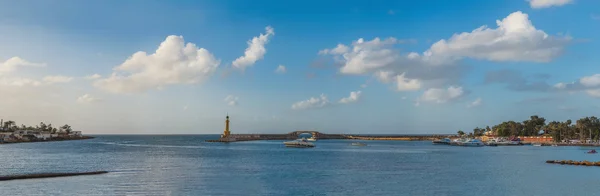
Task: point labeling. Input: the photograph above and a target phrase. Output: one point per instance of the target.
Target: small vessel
(554, 145)
(472, 142)
(537, 144)
(311, 139)
(358, 144)
(300, 143)
(445, 141)
(492, 144)
(592, 151)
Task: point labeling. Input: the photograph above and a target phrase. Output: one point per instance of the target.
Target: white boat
(554, 145)
(311, 139)
(358, 144)
(300, 143)
(472, 142)
(537, 144)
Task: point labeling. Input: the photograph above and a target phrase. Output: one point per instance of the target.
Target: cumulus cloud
(595, 16)
(174, 62)
(93, 77)
(231, 100)
(9, 74)
(280, 69)
(57, 79)
(13, 63)
(588, 84)
(87, 98)
(384, 76)
(514, 39)
(539, 4)
(354, 97)
(475, 103)
(405, 84)
(312, 103)
(439, 95)
(256, 50)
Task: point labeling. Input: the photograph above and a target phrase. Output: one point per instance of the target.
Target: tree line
(584, 128)
(11, 126)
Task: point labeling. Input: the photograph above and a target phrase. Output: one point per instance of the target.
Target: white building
(43, 135)
(75, 133)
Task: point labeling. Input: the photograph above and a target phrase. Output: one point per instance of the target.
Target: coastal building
(75, 133)
(42, 135)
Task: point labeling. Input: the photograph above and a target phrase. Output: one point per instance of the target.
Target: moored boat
(537, 144)
(445, 141)
(300, 143)
(472, 142)
(592, 151)
(358, 144)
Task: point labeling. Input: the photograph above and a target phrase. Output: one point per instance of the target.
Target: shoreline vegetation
(584, 132)
(10, 133)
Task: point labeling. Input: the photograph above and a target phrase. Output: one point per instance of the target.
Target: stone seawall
(321, 136)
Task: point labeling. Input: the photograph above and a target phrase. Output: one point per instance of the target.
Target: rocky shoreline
(56, 139)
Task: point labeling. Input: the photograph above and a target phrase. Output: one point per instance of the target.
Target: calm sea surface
(185, 165)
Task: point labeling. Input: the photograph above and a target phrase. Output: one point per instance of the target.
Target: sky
(389, 67)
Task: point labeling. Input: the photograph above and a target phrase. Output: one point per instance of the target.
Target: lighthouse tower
(226, 133)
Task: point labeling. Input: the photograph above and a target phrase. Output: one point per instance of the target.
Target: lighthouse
(226, 133)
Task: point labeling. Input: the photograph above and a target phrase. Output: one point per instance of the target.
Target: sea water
(186, 165)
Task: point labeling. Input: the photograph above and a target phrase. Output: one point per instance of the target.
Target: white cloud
(588, 84)
(231, 100)
(87, 98)
(174, 62)
(57, 79)
(256, 50)
(19, 82)
(593, 93)
(515, 39)
(405, 84)
(354, 97)
(185, 108)
(475, 103)
(560, 85)
(280, 69)
(93, 77)
(13, 63)
(339, 49)
(311, 103)
(384, 76)
(364, 55)
(590, 81)
(595, 17)
(363, 86)
(439, 95)
(539, 4)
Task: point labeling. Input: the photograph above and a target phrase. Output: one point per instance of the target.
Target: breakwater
(571, 162)
(48, 175)
(321, 136)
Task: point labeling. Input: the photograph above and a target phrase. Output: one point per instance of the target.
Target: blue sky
(422, 67)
